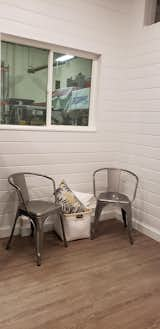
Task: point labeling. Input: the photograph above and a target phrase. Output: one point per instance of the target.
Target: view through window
(71, 90)
(23, 90)
(24, 79)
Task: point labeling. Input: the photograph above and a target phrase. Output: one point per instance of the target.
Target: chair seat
(40, 208)
(113, 197)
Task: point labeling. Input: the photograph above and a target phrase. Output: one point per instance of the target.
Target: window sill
(49, 128)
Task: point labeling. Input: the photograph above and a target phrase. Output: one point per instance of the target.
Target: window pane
(157, 16)
(24, 74)
(71, 90)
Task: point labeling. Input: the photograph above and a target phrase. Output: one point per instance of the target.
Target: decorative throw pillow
(68, 200)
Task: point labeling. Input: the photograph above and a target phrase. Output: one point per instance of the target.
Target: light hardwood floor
(101, 284)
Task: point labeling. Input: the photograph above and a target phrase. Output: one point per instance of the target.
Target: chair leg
(63, 230)
(12, 232)
(98, 211)
(32, 229)
(124, 217)
(129, 224)
(39, 241)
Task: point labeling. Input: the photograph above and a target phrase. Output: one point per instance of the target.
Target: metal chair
(36, 210)
(120, 190)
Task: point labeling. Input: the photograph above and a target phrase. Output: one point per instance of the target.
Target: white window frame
(93, 94)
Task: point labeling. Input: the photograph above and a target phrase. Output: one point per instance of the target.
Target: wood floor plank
(101, 284)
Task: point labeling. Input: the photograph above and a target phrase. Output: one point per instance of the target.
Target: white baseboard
(23, 228)
(146, 230)
(142, 227)
(6, 230)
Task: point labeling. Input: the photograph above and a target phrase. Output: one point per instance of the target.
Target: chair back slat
(19, 180)
(113, 180)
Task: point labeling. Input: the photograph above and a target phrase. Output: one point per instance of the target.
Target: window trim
(45, 45)
(49, 128)
(49, 89)
(93, 93)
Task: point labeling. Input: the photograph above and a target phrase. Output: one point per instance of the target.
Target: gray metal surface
(37, 211)
(116, 180)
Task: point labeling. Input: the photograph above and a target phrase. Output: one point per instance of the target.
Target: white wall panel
(127, 110)
(94, 26)
(138, 123)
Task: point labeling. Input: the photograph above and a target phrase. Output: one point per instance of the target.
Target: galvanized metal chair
(117, 187)
(37, 211)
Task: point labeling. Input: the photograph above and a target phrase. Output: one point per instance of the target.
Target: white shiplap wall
(127, 110)
(99, 26)
(137, 118)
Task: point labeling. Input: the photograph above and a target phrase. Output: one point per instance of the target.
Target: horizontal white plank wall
(137, 119)
(127, 110)
(94, 26)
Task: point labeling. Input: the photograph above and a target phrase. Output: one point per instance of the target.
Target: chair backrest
(19, 182)
(115, 180)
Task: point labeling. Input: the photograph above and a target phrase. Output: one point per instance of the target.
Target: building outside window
(23, 92)
(42, 87)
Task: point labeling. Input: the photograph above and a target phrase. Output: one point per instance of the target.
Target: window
(152, 12)
(23, 91)
(157, 15)
(45, 87)
(71, 90)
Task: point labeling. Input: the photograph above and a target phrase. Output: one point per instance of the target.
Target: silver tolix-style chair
(117, 187)
(37, 210)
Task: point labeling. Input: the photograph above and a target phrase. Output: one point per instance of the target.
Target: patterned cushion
(68, 200)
